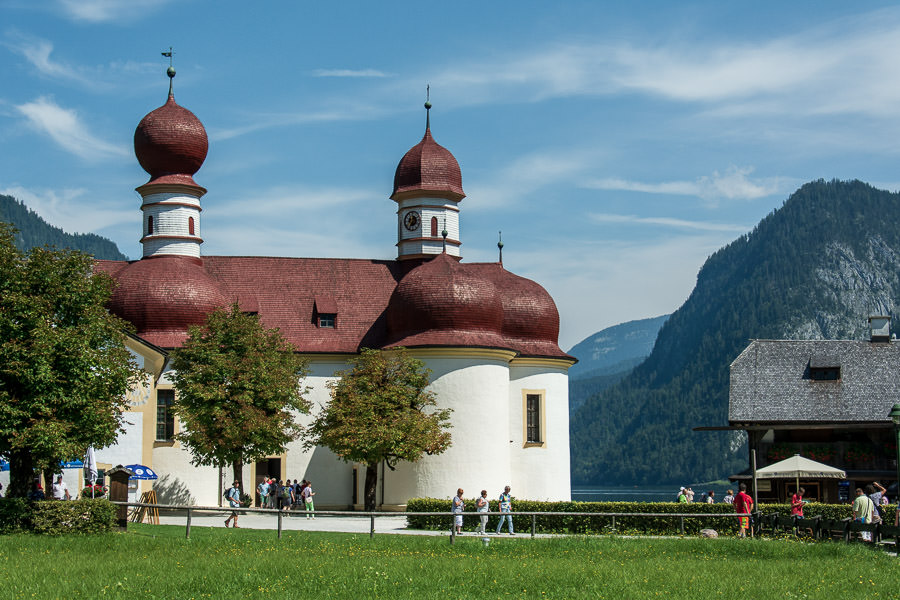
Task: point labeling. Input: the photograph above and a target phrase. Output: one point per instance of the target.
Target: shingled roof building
(827, 400)
(489, 336)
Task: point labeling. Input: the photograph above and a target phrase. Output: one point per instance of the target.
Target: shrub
(603, 522)
(57, 517)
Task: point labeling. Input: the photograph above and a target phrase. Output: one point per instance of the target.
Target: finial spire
(500, 246)
(444, 235)
(428, 107)
(171, 70)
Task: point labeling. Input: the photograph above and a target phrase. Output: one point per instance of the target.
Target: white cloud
(100, 11)
(74, 210)
(66, 129)
(349, 73)
(733, 184)
(37, 51)
(666, 222)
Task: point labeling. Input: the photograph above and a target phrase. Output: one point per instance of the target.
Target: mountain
(816, 268)
(34, 231)
(607, 356)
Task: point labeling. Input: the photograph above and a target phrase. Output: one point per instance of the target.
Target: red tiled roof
(438, 303)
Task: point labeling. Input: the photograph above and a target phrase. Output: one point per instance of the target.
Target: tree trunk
(21, 474)
(238, 468)
(371, 484)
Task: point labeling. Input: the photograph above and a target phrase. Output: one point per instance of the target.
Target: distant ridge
(814, 269)
(34, 232)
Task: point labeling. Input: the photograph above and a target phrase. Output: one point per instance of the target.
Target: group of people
(482, 506)
(686, 496)
(867, 507)
(287, 495)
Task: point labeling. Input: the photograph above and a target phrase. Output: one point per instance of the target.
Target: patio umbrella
(797, 467)
(90, 463)
(141, 472)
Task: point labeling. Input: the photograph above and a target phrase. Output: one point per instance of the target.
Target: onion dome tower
(171, 144)
(427, 190)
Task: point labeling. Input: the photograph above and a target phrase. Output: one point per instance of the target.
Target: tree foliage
(238, 390)
(787, 271)
(380, 411)
(64, 366)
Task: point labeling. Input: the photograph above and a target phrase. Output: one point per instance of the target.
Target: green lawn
(157, 562)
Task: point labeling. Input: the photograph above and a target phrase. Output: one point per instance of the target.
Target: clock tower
(427, 190)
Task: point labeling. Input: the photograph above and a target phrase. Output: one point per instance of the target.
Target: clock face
(411, 220)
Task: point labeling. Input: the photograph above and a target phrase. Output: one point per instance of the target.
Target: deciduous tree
(64, 366)
(238, 390)
(380, 411)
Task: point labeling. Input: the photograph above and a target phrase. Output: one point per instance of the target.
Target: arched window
(191, 225)
(434, 232)
(150, 225)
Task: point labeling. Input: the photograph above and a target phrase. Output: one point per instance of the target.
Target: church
(489, 336)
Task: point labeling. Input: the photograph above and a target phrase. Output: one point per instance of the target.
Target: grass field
(158, 562)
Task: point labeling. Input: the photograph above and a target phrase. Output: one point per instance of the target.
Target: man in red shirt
(743, 505)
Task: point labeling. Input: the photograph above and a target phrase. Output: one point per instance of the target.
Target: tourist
(60, 490)
(458, 506)
(37, 492)
(482, 506)
(682, 496)
(263, 490)
(710, 497)
(233, 495)
(308, 500)
(797, 503)
(876, 497)
(862, 512)
(729, 497)
(273, 493)
(690, 495)
(505, 507)
(743, 505)
(285, 495)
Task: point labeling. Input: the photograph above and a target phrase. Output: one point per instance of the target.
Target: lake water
(640, 494)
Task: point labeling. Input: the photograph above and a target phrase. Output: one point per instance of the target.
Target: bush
(605, 523)
(59, 517)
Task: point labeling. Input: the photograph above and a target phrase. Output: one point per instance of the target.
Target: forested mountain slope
(814, 269)
(34, 231)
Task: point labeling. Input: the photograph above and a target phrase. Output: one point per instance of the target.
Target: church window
(165, 416)
(533, 409)
(434, 232)
(190, 225)
(150, 225)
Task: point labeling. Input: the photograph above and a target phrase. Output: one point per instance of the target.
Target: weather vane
(169, 55)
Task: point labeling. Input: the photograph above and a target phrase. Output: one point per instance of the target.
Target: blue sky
(616, 145)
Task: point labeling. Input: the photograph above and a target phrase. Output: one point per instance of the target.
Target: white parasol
(797, 467)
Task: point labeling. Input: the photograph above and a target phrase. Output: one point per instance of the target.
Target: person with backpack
(233, 495)
(285, 495)
(863, 508)
(308, 500)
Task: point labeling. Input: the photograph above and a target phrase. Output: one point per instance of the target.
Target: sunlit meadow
(158, 562)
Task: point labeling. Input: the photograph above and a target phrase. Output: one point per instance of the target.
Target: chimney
(879, 328)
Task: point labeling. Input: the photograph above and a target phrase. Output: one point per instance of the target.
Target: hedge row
(56, 517)
(601, 523)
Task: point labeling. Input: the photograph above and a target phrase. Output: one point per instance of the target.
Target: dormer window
(325, 312)
(824, 368)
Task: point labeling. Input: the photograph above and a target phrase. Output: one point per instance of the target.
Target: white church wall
(475, 385)
(540, 472)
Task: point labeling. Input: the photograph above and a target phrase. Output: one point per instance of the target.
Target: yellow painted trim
(492, 353)
(543, 411)
(557, 363)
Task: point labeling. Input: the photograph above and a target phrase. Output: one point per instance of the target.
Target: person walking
(233, 495)
(458, 507)
(505, 507)
(60, 490)
(308, 494)
(482, 506)
(797, 503)
(263, 490)
(743, 505)
(863, 507)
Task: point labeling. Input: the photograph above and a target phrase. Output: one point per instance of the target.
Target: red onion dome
(428, 167)
(529, 312)
(163, 296)
(441, 302)
(171, 144)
